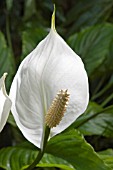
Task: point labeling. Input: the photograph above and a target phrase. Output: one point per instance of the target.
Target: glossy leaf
(92, 109)
(96, 121)
(72, 147)
(93, 44)
(16, 158)
(107, 157)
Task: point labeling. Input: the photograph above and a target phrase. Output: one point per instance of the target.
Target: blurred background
(87, 26)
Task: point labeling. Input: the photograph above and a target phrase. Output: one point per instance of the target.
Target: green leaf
(92, 110)
(31, 38)
(93, 45)
(16, 158)
(96, 121)
(107, 157)
(72, 147)
(6, 60)
(87, 13)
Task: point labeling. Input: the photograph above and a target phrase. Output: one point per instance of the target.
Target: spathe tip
(53, 19)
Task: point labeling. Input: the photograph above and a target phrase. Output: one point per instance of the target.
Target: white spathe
(50, 67)
(5, 103)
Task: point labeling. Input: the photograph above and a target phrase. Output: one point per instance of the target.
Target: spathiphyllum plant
(5, 102)
(49, 91)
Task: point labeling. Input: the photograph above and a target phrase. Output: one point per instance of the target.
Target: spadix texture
(50, 67)
(5, 103)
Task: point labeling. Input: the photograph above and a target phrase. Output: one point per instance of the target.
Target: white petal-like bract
(50, 67)
(5, 103)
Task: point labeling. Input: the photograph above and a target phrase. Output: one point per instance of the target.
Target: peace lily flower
(50, 67)
(5, 103)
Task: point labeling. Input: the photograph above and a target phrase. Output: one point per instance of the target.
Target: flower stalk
(41, 152)
(52, 119)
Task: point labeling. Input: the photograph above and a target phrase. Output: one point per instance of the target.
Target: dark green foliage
(107, 156)
(15, 158)
(71, 148)
(96, 121)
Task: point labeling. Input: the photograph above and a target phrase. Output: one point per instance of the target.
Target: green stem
(41, 152)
